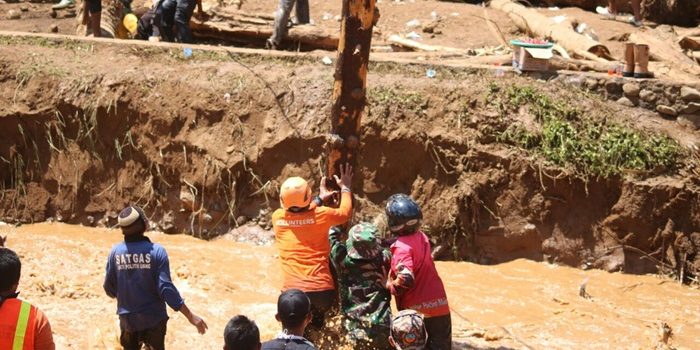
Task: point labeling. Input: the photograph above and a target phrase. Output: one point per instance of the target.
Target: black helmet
(403, 214)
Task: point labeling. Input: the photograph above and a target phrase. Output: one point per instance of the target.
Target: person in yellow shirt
(301, 228)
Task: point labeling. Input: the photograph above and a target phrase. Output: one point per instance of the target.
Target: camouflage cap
(363, 242)
(408, 331)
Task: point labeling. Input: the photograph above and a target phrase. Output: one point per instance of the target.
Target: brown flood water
(520, 304)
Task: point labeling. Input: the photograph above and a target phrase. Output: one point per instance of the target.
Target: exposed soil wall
(203, 144)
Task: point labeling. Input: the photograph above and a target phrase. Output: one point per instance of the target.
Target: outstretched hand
(345, 179)
(199, 323)
(194, 319)
(324, 192)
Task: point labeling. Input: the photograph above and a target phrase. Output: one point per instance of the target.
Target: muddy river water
(519, 305)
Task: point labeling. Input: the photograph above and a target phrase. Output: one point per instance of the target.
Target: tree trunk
(537, 24)
(676, 12)
(349, 89)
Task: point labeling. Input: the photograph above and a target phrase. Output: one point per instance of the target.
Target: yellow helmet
(130, 22)
(295, 192)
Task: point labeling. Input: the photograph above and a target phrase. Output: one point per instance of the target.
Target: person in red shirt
(301, 228)
(413, 278)
(22, 325)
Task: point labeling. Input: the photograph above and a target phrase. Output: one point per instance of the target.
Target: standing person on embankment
(301, 234)
(138, 275)
(22, 325)
(282, 18)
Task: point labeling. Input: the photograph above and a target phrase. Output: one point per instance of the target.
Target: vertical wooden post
(349, 90)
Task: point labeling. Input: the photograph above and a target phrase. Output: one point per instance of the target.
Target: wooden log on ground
(663, 51)
(561, 63)
(242, 27)
(350, 86)
(537, 24)
(417, 46)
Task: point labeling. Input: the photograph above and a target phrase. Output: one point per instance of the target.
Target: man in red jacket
(22, 326)
(413, 278)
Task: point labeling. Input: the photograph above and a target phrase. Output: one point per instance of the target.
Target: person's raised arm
(341, 215)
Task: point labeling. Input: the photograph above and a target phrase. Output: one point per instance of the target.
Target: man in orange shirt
(301, 231)
(22, 326)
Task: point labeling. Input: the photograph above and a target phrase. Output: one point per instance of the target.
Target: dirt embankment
(203, 144)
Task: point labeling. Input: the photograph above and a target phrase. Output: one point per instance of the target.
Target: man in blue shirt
(138, 275)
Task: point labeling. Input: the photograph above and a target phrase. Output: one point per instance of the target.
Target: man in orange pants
(22, 326)
(301, 231)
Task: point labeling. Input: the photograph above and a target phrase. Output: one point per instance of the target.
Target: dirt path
(512, 305)
(461, 25)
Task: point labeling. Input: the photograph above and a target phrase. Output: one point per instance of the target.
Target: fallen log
(414, 45)
(539, 25)
(662, 51)
(561, 63)
(242, 28)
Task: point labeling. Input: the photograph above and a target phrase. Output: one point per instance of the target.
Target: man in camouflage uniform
(362, 266)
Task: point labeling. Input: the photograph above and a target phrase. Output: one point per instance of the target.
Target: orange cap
(295, 192)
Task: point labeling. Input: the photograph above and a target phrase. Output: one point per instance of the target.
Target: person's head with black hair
(132, 221)
(241, 333)
(10, 269)
(294, 311)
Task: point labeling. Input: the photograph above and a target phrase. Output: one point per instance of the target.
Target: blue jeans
(282, 18)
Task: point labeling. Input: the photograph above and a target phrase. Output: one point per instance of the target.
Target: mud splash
(520, 304)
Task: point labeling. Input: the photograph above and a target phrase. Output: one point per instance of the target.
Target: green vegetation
(396, 97)
(592, 147)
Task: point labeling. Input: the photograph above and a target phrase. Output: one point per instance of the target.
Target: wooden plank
(414, 45)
